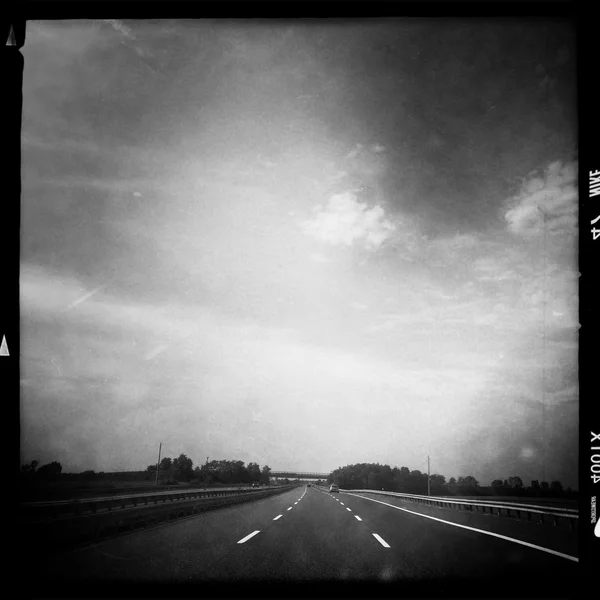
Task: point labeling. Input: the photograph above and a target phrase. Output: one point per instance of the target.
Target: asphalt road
(309, 536)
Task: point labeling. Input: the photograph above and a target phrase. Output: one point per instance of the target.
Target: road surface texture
(307, 539)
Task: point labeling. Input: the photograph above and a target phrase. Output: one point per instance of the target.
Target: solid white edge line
(357, 517)
(381, 540)
(249, 536)
(277, 517)
(497, 535)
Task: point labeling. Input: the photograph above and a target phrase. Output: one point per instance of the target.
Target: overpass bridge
(299, 475)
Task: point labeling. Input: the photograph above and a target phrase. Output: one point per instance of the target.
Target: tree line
(47, 472)
(215, 471)
(171, 470)
(377, 476)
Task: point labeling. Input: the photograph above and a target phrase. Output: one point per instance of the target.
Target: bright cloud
(347, 221)
(552, 195)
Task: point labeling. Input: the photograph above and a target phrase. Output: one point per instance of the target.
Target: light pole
(158, 464)
(428, 478)
(544, 217)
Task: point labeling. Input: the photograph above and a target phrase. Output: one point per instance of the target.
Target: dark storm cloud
(459, 106)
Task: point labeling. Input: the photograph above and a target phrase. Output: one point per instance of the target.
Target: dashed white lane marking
(348, 509)
(295, 503)
(381, 540)
(342, 503)
(290, 508)
(502, 537)
(357, 517)
(277, 517)
(249, 536)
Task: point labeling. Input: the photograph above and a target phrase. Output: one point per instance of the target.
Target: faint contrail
(156, 351)
(86, 296)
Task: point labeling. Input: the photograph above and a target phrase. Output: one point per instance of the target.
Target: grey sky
(301, 245)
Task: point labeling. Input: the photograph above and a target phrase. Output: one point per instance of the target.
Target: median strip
(381, 540)
(68, 532)
(243, 540)
(497, 535)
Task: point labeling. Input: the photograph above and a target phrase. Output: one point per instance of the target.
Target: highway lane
(307, 535)
(559, 539)
(437, 549)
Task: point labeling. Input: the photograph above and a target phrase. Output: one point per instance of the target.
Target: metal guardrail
(503, 508)
(63, 508)
(502, 502)
(56, 533)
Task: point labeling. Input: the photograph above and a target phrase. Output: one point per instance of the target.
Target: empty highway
(308, 535)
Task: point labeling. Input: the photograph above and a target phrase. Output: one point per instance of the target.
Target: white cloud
(552, 195)
(355, 151)
(319, 258)
(359, 306)
(346, 221)
(121, 28)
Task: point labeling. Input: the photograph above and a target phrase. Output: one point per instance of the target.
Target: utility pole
(158, 464)
(428, 478)
(544, 216)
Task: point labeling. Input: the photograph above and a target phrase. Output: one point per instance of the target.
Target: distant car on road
(334, 488)
(255, 484)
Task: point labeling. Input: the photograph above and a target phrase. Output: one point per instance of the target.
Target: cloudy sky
(301, 245)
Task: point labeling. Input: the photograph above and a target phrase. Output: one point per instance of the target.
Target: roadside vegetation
(375, 476)
(49, 482)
